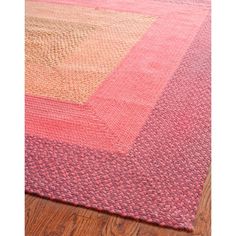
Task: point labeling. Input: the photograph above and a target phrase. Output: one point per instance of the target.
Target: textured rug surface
(118, 105)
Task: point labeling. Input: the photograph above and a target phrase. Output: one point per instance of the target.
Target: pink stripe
(76, 124)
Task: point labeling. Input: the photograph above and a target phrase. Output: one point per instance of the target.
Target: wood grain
(48, 218)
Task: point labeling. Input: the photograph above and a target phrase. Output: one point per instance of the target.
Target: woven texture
(118, 105)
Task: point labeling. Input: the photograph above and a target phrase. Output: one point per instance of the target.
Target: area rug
(118, 105)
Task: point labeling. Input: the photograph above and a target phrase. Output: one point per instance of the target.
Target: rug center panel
(70, 51)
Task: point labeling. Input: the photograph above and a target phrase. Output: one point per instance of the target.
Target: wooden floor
(49, 218)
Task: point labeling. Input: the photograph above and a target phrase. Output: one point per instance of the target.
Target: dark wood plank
(49, 218)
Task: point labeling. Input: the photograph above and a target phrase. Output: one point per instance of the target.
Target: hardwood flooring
(48, 218)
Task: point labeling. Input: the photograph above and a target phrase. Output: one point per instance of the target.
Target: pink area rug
(118, 105)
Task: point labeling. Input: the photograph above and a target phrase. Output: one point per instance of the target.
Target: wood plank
(49, 218)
